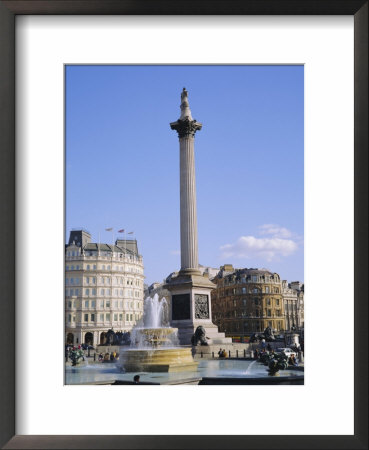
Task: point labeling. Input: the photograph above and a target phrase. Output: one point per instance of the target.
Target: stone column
(190, 290)
(186, 127)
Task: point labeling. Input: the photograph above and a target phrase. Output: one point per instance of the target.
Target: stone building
(293, 301)
(246, 301)
(103, 288)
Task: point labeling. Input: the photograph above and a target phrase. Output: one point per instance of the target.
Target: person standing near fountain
(190, 290)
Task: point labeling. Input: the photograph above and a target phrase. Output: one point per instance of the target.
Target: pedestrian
(220, 353)
(136, 379)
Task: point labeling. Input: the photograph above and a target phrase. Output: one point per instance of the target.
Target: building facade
(293, 300)
(104, 287)
(246, 301)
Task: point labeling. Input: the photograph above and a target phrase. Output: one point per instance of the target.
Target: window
(244, 290)
(256, 301)
(69, 304)
(87, 291)
(77, 267)
(88, 266)
(73, 318)
(69, 317)
(88, 280)
(101, 317)
(92, 317)
(93, 280)
(94, 266)
(72, 281)
(115, 304)
(121, 304)
(108, 303)
(244, 302)
(269, 313)
(93, 303)
(131, 317)
(127, 317)
(93, 291)
(120, 317)
(86, 303)
(268, 301)
(115, 317)
(267, 289)
(103, 267)
(71, 267)
(277, 302)
(255, 290)
(102, 291)
(108, 316)
(254, 278)
(67, 281)
(86, 317)
(66, 267)
(108, 267)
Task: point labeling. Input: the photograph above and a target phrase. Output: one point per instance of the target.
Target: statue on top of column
(185, 126)
(184, 95)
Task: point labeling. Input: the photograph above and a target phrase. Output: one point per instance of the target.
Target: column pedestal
(191, 306)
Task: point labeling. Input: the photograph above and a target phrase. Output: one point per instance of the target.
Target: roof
(92, 246)
(239, 273)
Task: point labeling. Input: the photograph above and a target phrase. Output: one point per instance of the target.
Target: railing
(83, 257)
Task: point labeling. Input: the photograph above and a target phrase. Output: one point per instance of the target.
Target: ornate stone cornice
(186, 127)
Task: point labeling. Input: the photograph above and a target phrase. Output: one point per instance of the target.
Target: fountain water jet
(154, 345)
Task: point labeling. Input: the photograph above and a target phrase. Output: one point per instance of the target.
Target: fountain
(154, 345)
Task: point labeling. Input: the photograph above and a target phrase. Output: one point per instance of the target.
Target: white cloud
(263, 248)
(275, 230)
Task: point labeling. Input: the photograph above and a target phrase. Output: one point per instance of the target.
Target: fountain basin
(178, 359)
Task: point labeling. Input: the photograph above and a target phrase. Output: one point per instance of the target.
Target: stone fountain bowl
(157, 333)
(177, 359)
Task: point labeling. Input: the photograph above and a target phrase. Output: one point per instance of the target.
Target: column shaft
(189, 252)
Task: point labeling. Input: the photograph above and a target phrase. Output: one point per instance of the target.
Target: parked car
(286, 350)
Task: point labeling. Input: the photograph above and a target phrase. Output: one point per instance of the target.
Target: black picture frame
(8, 12)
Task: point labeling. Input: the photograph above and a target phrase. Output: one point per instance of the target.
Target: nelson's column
(190, 290)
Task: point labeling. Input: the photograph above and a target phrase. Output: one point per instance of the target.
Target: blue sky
(122, 162)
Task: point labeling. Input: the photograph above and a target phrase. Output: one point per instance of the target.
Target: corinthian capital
(186, 127)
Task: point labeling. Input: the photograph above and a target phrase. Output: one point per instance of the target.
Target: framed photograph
(87, 91)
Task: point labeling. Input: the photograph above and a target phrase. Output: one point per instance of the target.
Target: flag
(121, 231)
(131, 232)
(108, 229)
